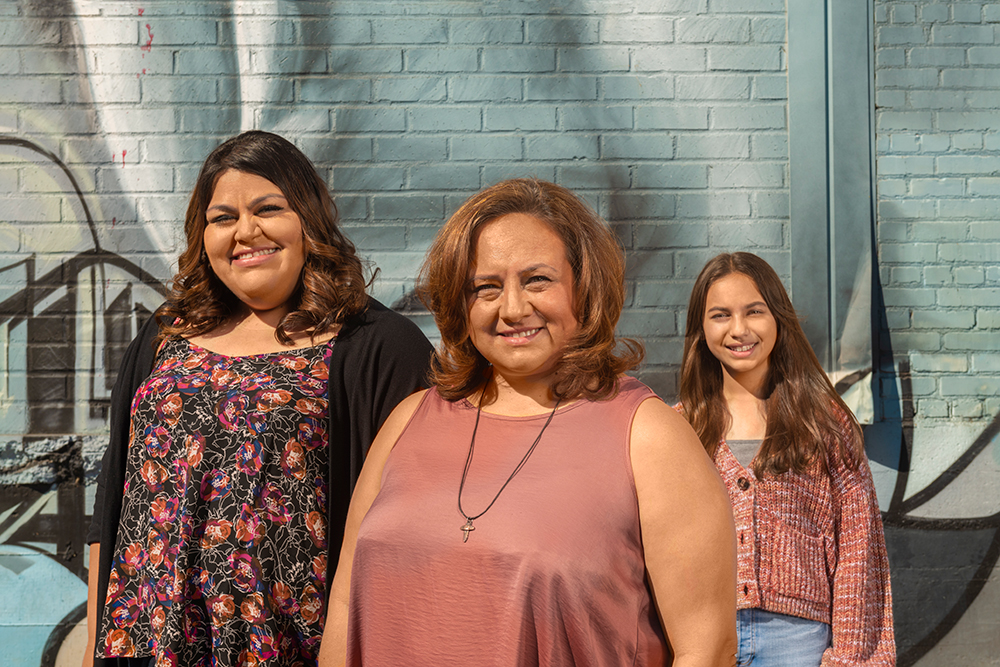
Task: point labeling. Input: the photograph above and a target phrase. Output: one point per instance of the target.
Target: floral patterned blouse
(221, 553)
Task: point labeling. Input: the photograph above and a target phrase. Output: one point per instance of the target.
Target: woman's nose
(246, 227)
(514, 305)
(737, 325)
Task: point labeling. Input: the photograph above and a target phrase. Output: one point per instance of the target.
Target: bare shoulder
(400, 417)
(659, 430)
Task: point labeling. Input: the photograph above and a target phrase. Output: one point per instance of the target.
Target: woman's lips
(742, 351)
(253, 257)
(519, 337)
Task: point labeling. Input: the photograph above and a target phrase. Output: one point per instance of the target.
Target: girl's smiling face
(739, 329)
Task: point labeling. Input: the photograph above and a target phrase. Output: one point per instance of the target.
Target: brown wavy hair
(803, 409)
(331, 286)
(592, 361)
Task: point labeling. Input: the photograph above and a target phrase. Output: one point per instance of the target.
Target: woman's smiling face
(521, 297)
(739, 329)
(253, 240)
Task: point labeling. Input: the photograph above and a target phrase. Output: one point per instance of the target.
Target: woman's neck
(251, 332)
(747, 408)
(518, 399)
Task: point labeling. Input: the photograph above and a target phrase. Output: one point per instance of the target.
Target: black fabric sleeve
(380, 358)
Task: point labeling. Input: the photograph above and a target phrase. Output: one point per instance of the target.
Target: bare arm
(688, 537)
(92, 620)
(333, 649)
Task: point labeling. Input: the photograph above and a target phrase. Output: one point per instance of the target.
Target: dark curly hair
(331, 286)
(591, 363)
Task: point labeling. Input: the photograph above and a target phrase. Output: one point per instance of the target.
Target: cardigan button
(743, 483)
(746, 590)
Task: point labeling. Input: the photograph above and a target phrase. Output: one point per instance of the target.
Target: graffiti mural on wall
(70, 302)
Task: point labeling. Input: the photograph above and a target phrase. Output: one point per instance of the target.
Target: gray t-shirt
(744, 450)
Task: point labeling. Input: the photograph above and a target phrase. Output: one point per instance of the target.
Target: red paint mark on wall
(123, 158)
(148, 46)
(141, 10)
(113, 221)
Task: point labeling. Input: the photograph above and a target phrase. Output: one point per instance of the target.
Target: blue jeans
(767, 639)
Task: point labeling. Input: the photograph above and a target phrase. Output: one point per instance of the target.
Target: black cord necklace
(468, 527)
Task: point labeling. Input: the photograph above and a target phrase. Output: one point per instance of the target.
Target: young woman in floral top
(239, 422)
(812, 573)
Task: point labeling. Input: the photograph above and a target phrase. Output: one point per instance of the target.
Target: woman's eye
(221, 219)
(485, 290)
(270, 208)
(538, 280)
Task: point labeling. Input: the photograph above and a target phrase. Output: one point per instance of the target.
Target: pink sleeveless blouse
(553, 573)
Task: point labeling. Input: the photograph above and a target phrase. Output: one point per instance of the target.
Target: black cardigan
(379, 359)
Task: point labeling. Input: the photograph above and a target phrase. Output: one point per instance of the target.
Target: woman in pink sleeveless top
(536, 507)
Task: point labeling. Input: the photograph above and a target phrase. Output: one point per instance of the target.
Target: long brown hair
(591, 363)
(331, 286)
(802, 406)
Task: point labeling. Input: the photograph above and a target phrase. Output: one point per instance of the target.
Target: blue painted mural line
(35, 508)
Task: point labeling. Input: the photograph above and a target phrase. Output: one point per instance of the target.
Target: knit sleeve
(862, 600)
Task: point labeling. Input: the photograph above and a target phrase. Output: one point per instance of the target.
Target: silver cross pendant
(467, 528)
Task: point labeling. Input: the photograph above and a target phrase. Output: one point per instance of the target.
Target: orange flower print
(223, 377)
(196, 359)
(216, 532)
(158, 620)
(311, 604)
(247, 659)
(163, 510)
(169, 409)
(314, 407)
(156, 546)
(119, 644)
(252, 609)
(222, 609)
(316, 523)
(154, 475)
(293, 460)
(282, 600)
(320, 370)
(319, 569)
(132, 559)
(269, 399)
(294, 363)
(114, 586)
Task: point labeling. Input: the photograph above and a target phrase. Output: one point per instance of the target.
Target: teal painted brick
(493, 89)
(713, 29)
(970, 252)
(747, 175)
(923, 386)
(602, 176)
(939, 363)
(689, 263)
(888, 57)
(632, 206)
(450, 119)
(981, 297)
(342, 30)
(633, 29)
(594, 58)
(934, 13)
(991, 12)
(967, 275)
(714, 205)
(671, 235)
(68, 120)
(409, 30)
(744, 58)
(601, 117)
(901, 209)
(905, 275)
(892, 35)
(937, 187)
(715, 145)
(486, 147)
(561, 147)
(411, 148)
(194, 32)
(370, 119)
(649, 264)
(968, 120)
(114, 60)
(967, 141)
(110, 31)
(992, 142)
(520, 117)
(713, 87)
(670, 58)
(969, 208)
(935, 143)
(444, 177)
(637, 146)
(769, 145)
(337, 90)
(757, 117)
(30, 91)
(399, 266)
(746, 235)
(961, 34)
(643, 323)
(561, 30)
(636, 87)
(486, 31)
(658, 295)
(910, 78)
(422, 236)
(989, 362)
(972, 340)
(375, 238)
(904, 14)
(935, 99)
(993, 274)
(943, 319)
(969, 78)
(967, 408)
(178, 91)
(257, 32)
(904, 165)
(892, 231)
(368, 178)
(888, 188)
(410, 89)
(341, 150)
(932, 408)
(928, 230)
(179, 149)
(768, 87)
(748, 6)
(767, 30)
(351, 208)
(664, 352)
(904, 120)
(906, 253)
(977, 386)
(671, 117)
(134, 178)
(897, 319)
(770, 205)
(408, 207)
(519, 59)
(984, 231)
(671, 176)
(984, 55)
(910, 341)
(441, 60)
(561, 88)
(19, 32)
